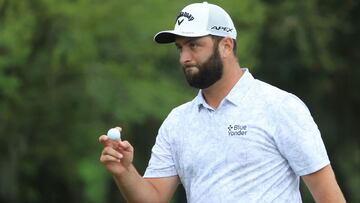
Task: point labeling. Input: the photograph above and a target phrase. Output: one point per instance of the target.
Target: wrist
(124, 172)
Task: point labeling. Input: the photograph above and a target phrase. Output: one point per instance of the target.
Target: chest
(209, 143)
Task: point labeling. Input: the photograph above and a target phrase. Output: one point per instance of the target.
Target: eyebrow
(189, 40)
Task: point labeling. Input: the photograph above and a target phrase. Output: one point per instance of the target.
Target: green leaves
(69, 70)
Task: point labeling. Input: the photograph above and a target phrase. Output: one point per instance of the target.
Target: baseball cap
(197, 20)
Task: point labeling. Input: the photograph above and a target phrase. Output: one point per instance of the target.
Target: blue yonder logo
(237, 130)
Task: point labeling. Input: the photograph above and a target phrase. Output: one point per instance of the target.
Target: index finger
(103, 139)
(106, 141)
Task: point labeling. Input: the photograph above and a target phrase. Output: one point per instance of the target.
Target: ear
(226, 47)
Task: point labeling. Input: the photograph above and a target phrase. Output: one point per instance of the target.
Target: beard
(209, 72)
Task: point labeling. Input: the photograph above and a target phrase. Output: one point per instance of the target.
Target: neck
(219, 90)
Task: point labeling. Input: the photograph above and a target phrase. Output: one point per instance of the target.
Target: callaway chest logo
(186, 15)
(237, 130)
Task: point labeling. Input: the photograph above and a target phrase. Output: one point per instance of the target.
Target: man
(239, 140)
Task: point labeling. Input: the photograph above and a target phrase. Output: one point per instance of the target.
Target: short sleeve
(298, 137)
(161, 163)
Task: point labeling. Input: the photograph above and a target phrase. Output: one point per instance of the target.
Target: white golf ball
(114, 134)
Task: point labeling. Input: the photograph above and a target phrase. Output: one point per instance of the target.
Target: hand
(117, 156)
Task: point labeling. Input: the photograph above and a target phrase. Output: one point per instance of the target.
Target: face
(201, 61)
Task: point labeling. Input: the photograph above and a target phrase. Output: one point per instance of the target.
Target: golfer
(239, 140)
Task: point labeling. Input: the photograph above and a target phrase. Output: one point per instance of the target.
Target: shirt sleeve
(298, 137)
(161, 163)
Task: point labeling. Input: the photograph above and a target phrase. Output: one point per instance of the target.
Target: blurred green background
(71, 69)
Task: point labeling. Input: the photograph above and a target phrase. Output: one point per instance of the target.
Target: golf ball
(114, 134)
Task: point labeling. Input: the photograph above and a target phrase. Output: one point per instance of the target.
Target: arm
(117, 158)
(138, 189)
(323, 186)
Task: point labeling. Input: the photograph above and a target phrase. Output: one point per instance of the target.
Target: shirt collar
(200, 102)
(235, 95)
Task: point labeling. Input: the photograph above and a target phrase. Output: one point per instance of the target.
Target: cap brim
(169, 36)
(165, 37)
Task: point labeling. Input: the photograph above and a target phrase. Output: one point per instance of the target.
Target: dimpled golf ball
(114, 134)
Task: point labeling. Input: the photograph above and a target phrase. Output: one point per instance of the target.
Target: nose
(185, 56)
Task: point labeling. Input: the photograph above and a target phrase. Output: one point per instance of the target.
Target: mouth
(190, 66)
(191, 69)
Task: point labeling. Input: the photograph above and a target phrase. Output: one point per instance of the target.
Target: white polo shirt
(252, 148)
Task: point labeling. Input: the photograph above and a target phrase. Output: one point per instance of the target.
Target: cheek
(201, 59)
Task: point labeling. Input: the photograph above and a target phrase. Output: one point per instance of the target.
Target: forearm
(323, 186)
(134, 188)
(327, 192)
(336, 197)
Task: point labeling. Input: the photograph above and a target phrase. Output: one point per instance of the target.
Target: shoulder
(274, 95)
(270, 92)
(276, 101)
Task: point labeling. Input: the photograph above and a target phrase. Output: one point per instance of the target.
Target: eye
(193, 45)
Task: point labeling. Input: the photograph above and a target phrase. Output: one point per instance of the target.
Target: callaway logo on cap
(197, 20)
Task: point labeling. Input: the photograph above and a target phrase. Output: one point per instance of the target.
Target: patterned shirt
(252, 148)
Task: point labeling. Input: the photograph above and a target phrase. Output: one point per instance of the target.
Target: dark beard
(209, 72)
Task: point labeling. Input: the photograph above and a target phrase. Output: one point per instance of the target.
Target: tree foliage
(71, 69)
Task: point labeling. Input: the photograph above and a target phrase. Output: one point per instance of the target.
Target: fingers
(103, 139)
(122, 145)
(118, 145)
(126, 146)
(115, 150)
(110, 154)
